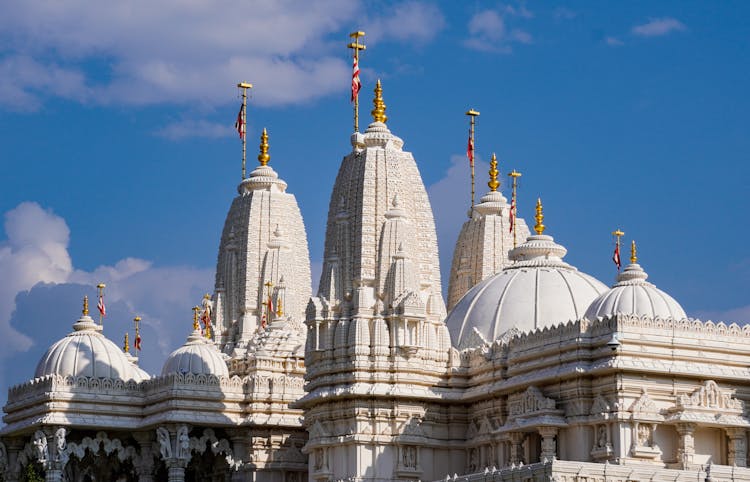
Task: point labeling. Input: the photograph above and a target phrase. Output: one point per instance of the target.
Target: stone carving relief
(709, 396)
(209, 441)
(165, 445)
(41, 451)
(183, 443)
(101, 442)
(645, 417)
(529, 402)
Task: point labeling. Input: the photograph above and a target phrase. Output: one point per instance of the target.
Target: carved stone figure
(319, 459)
(602, 437)
(165, 445)
(41, 452)
(183, 443)
(644, 435)
(61, 446)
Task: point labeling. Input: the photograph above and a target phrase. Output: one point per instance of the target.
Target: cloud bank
(658, 27)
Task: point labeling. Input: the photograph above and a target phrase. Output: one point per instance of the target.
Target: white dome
(539, 289)
(633, 295)
(87, 352)
(197, 356)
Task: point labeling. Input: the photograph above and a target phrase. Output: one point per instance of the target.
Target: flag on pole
(137, 343)
(356, 84)
(100, 306)
(269, 306)
(239, 124)
(263, 322)
(616, 256)
(512, 214)
(470, 150)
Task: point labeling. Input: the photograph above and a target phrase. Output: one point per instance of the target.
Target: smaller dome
(197, 356)
(87, 352)
(633, 295)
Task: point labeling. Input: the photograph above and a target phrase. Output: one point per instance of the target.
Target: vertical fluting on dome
(263, 240)
(482, 246)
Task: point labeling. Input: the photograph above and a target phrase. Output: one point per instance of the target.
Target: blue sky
(119, 159)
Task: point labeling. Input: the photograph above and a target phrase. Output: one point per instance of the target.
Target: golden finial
(208, 331)
(264, 157)
(378, 113)
(206, 296)
(85, 305)
(633, 253)
(279, 309)
(126, 345)
(539, 228)
(196, 309)
(494, 183)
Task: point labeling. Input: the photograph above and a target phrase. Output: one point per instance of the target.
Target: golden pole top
(633, 253)
(206, 296)
(101, 286)
(472, 112)
(514, 174)
(85, 305)
(539, 227)
(268, 284)
(378, 113)
(196, 309)
(126, 344)
(356, 45)
(245, 85)
(264, 156)
(137, 319)
(494, 183)
(618, 233)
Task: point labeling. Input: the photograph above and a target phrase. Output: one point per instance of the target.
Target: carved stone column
(516, 447)
(737, 447)
(239, 439)
(14, 446)
(686, 447)
(144, 463)
(174, 447)
(549, 447)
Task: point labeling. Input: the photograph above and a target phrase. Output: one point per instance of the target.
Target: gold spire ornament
(264, 156)
(196, 326)
(279, 309)
(494, 183)
(513, 211)
(126, 344)
(378, 113)
(539, 227)
(85, 305)
(356, 83)
(242, 124)
(633, 253)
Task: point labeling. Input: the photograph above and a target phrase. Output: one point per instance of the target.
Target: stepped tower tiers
(263, 252)
(484, 241)
(377, 347)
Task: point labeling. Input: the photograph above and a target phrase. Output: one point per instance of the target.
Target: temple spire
(85, 305)
(196, 326)
(633, 253)
(264, 156)
(539, 227)
(493, 183)
(378, 113)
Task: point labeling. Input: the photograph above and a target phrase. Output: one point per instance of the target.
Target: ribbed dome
(87, 352)
(633, 295)
(196, 356)
(539, 289)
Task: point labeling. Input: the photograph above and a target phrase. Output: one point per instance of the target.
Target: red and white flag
(263, 322)
(269, 307)
(137, 343)
(239, 124)
(470, 150)
(512, 214)
(100, 306)
(616, 256)
(356, 84)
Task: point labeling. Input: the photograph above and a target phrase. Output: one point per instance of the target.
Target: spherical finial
(539, 228)
(264, 157)
(378, 113)
(633, 253)
(196, 309)
(85, 305)
(126, 344)
(494, 183)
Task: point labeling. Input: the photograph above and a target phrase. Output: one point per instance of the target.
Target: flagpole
(356, 46)
(472, 115)
(100, 287)
(268, 286)
(244, 86)
(514, 203)
(137, 321)
(618, 233)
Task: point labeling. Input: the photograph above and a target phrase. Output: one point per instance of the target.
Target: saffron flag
(100, 306)
(470, 150)
(239, 124)
(269, 306)
(616, 256)
(137, 343)
(356, 84)
(512, 213)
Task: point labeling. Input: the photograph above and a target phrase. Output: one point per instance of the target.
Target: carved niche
(600, 417)
(645, 417)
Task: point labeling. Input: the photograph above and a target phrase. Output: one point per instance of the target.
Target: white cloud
(35, 254)
(488, 33)
(192, 128)
(614, 41)
(657, 27)
(188, 52)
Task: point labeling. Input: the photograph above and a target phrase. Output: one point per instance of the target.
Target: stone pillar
(549, 447)
(14, 445)
(176, 473)
(144, 462)
(53, 475)
(737, 447)
(516, 447)
(239, 439)
(686, 447)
